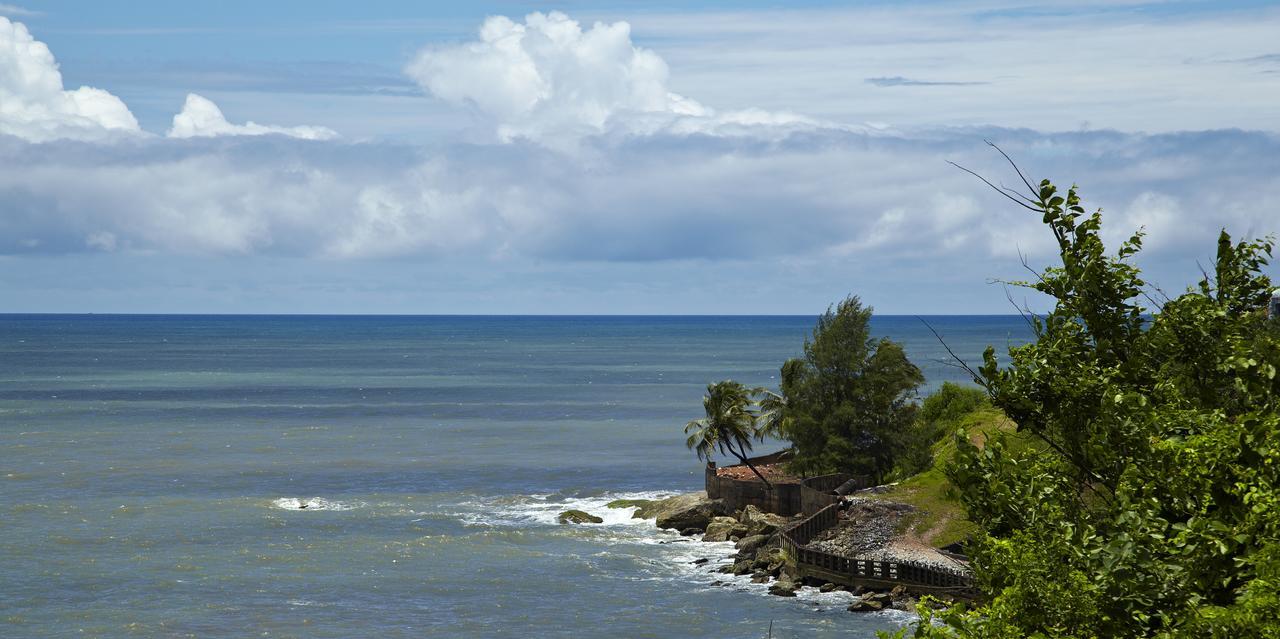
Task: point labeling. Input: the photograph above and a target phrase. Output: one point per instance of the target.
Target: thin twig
(976, 378)
(995, 188)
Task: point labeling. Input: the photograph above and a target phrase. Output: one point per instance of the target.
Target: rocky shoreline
(754, 534)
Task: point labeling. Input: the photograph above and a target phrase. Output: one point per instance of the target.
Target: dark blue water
(151, 468)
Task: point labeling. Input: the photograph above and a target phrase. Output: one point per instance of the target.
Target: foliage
(939, 518)
(939, 415)
(847, 402)
(1152, 506)
(729, 425)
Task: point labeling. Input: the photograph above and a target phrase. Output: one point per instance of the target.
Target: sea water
(153, 471)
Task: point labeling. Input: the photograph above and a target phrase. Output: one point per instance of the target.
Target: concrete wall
(783, 499)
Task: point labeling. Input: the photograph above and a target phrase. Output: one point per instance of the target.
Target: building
(1273, 309)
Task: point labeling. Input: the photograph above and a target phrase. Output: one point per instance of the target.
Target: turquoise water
(151, 469)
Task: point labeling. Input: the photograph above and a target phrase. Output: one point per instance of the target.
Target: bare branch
(977, 379)
(1015, 168)
(996, 188)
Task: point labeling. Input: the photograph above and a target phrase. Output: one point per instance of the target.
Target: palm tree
(773, 413)
(729, 426)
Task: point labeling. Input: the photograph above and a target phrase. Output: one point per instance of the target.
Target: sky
(614, 157)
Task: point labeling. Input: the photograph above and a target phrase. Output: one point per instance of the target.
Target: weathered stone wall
(783, 499)
(816, 492)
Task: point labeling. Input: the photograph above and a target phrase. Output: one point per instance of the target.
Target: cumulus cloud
(33, 104)
(548, 79)
(200, 117)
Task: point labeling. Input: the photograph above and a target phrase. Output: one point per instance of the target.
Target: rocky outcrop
(638, 504)
(748, 545)
(759, 522)
(722, 528)
(683, 512)
(578, 517)
(865, 605)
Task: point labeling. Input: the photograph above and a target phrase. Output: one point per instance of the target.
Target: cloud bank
(595, 160)
(200, 117)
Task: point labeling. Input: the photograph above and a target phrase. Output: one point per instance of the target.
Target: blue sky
(404, 157)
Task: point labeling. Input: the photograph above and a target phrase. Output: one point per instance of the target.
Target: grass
(939, 519)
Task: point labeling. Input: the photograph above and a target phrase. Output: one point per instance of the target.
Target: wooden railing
(817, 563)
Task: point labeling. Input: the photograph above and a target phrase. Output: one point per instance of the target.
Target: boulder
(722, 528)
(684, 511)
(578, 517)
(865, 605)
(749, 545)
(827, 587)
(638, 504)
(760, 579)
(759, 522)
(784, 588)
(881, 598)
(742, 568)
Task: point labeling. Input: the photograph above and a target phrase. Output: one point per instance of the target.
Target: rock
(689, 532)
(721, 528)
(578, 517)
(760, 579)
(758, 522)
(751, 544)
(726, 569)
(898, 591)
(684, 511)
(742, 568)
(638, 504)
(827, 587)
(699, 562)
(865, 605)
(882, 598)
(783, 588)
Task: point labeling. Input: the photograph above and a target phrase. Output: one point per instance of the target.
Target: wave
(314, 503)
(545, 509)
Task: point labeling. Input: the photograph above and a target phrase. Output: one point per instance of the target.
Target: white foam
(526, 510)
(314, 503)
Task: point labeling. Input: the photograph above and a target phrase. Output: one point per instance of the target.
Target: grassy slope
(939, 519)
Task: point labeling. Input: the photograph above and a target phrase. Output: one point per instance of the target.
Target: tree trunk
(749, 465)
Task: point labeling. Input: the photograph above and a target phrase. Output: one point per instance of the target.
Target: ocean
(151, 469)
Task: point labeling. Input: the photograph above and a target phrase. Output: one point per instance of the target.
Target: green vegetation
(1150, 504)
(939, 415)
(939, 519)
(846, 406)
(729, 426)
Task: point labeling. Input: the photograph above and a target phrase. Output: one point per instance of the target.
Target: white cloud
(200, 117)
(33, 104)
(549, 80)
(15, 10)
(813, 195)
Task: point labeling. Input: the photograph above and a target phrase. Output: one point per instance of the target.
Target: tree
(847, 403)
(1152, 506)
(729, 425)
